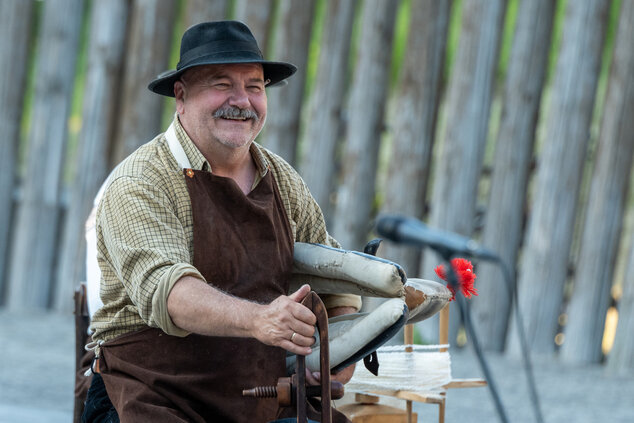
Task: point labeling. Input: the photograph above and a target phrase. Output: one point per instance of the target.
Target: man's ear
(179, 96)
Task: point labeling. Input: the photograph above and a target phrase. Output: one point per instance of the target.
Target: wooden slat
(554, 210)
(466, 383)
(430, 398)
(414, 125)
(367, 105)
(621, 358)
(103, 77)
(256, 14)
(147, 55)
(604, 216)
(468, 104)
(292, 39)
(198, 11)
(15, 28)
(323, 129)
(35, 241)
(505, 216)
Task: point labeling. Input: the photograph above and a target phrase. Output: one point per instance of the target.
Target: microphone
(407, 230)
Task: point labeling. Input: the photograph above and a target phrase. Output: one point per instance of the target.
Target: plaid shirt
(145, 233)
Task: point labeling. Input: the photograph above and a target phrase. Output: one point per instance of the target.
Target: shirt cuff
(159, 299)
(341, 300)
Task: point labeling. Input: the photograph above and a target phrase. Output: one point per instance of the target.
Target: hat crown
(217, 38)
(219, 43)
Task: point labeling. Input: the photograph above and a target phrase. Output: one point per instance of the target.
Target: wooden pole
(554, 210)
(103, 76)
(444, 327)
(15, 27)
(512, 165)
(468, 104)
(414, 125)
(324, 127)
(147, 55)
(367, 106)
(604, 216)
(34, 249)
(409, 340)
(285, 103)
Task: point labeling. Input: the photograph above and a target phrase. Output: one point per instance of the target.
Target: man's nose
(239, 97)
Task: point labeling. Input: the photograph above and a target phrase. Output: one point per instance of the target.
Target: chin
(236, 139)
(235, 143)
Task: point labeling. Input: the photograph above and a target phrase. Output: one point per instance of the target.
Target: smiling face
(222, 104)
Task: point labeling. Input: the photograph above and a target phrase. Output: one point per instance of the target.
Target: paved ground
(36, 367)
(37, 360)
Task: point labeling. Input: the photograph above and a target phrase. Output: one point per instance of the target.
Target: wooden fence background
(508, 121)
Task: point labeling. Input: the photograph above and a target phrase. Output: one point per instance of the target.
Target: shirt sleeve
(143, 244)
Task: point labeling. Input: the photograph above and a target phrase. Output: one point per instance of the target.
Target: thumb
(299, 295)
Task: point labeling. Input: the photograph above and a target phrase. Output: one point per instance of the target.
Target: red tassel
(466, 277)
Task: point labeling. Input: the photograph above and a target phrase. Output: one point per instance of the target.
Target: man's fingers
(313, 378)
(295, 349)
(302, 314)
(302, 340)
(299, 295)
(303, 328)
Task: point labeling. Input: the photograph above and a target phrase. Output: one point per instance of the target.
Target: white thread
(413, 347)
(424, 369)
(93, 344)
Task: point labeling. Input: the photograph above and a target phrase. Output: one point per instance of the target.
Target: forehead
(236, 70)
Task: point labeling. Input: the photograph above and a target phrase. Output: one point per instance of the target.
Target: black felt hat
(215, 43)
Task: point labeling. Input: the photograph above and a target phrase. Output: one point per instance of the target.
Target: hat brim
(276, 72)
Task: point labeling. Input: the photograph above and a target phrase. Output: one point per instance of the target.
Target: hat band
(218, 47)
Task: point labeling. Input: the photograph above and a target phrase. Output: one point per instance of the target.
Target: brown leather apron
(243, 245)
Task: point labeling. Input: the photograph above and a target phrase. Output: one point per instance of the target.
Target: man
(195, 235)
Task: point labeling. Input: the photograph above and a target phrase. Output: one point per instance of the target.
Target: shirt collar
(198, 161)
(195, 157)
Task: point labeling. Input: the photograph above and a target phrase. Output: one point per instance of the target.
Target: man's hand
(343, 376)
(286, 323)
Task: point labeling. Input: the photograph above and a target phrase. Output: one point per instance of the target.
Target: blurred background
(508, 121)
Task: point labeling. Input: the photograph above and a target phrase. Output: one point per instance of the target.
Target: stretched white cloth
(423, 369)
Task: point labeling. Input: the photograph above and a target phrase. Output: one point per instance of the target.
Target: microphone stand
(465, 317)
(447, 249)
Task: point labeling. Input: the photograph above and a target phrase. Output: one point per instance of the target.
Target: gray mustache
(235, 112)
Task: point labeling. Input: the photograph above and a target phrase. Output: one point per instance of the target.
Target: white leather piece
(336, 286)
(350, 333)
(371, 275)
(436, 297)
